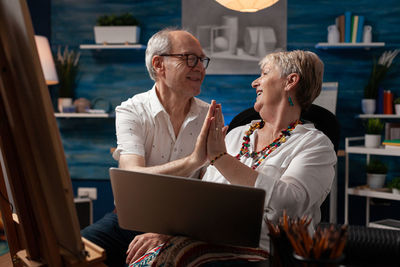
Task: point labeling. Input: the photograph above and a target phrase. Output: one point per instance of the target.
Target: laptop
(206, 211)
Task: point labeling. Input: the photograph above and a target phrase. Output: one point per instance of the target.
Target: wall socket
(89, 192)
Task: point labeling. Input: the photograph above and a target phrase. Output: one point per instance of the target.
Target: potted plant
(376, 174)
(113, 29)
(397, 105)
(373, 130)
(378, 73)
(394, 184)
(67, 65)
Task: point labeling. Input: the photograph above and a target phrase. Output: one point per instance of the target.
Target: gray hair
(309, 67)
(159, 43)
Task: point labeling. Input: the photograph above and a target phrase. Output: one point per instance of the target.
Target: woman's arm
(235, 171)
(303, 185)
(232, 169)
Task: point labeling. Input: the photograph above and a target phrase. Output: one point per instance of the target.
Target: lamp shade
(247, 5)
(46, 60)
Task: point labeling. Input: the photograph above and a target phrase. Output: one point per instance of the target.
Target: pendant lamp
(247, 5)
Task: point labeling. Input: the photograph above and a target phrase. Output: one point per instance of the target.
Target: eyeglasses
(191, 59)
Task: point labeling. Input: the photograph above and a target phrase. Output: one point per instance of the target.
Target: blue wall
(116, 76)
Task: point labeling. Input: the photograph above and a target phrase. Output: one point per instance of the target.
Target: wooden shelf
(349, 45)
(372, 193)
(380, 116)
(84, 115)
(112, 46)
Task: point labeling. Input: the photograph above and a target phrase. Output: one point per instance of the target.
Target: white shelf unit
(112, 46)
(359, 191)
(349, 45)
(379, 116)
(84, 115)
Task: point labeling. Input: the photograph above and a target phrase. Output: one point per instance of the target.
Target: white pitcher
(333, 34)
(367, 34)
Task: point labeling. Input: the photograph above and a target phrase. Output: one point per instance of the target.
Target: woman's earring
(290, 102)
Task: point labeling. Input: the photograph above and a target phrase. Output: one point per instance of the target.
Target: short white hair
(307, 65)
(159, 43)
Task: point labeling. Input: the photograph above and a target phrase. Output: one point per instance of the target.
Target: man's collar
(157, 107)
(155, 104)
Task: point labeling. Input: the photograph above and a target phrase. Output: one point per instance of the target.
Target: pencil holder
(307, 262)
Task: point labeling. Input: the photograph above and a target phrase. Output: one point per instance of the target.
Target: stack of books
(351, 27)
(391, 144)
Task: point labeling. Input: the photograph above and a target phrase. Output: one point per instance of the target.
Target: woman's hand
(143, 243)
(199, 155)
(216, 135)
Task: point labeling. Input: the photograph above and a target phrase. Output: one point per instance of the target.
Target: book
(347, 26)
(387, 102)
(389, 147)
(354, 28)
(360, 29)
(391, 144)
(341, 28)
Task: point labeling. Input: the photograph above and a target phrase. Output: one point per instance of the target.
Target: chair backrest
(328, 96)
(323, 119)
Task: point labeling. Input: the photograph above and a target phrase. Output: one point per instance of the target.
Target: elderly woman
(287, 157)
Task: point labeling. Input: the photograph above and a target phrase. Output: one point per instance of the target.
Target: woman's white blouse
(297, 176)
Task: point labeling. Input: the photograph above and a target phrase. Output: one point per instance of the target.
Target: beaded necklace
(244, 151)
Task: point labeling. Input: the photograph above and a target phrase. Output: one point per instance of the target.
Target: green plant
(378, 73)
(67, 65)
(395, 183)
(397, 101)
(125, 19)
(374, 126)
(377, 167)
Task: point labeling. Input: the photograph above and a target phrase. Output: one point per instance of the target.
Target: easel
(43, 228)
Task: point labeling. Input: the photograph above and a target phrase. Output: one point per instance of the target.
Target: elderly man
(157, 132)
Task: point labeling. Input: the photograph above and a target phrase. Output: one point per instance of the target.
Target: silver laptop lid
(212, 212)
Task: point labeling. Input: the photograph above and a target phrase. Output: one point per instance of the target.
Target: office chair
(323, 119)
(370, 247)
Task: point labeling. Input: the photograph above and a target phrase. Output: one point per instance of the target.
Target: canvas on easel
(33, 158)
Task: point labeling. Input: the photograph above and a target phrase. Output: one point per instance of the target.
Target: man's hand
(199, 155)
(143, 243)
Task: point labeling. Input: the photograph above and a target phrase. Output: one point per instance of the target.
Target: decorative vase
(333, 34)
(231, 33)
(368, 106)
(397, 109)
(65, 105)
(372, 140)
(376, 180)
(367, 34)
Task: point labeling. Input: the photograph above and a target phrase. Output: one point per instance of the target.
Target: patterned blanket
(183, 251)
